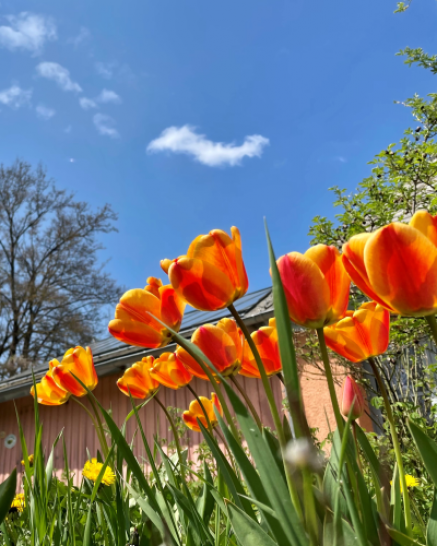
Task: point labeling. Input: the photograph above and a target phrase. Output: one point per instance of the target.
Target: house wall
(79, 433)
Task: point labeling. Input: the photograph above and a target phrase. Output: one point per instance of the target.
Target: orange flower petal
(306, 290)
(402, 267)
(328, 259)
(172, 307)
(353, 261)
(191, 421)
(426, 224)
(78, 362)
(170, 372)
(139, 334)
(49, 393)
(201, 284)
(218, 347)
(190, 363)
(229, 326)
(138, 380)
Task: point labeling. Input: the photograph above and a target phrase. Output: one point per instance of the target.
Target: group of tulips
(395, 266)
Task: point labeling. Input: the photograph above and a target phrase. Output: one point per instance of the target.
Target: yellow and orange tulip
(361, 334)
(169, 371)
(212, 274)
(316, 286)
(217, 345)
(134, 321)
(137, 379)
(195, 412)
(352, 395)
(266, 341)
(79, 362)
(49, 393)
(397, 265)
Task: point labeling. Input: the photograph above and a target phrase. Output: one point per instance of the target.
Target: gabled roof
(111, 355)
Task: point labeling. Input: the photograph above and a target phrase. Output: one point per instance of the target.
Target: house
(111, 358)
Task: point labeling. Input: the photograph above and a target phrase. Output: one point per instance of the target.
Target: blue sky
(299, 93)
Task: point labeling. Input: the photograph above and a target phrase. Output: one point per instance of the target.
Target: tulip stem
(176, 437)
(330, 379)
(96, 426)
(248, 401)
(100, 428)
(433, 325)
(354, 432)
(262, 371)
(396, 445)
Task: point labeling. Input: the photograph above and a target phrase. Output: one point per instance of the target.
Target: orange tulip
(48, 392)
(397, 265)
(352, 395)
(195, 412)
(212, 274)
(266, 341)
(77, 361)
(169, 371)
(137, 379)
(134, 321)
(316, 286)
(217, 345)
(361, 334)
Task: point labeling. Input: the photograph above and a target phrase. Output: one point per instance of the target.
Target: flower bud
(352, 399)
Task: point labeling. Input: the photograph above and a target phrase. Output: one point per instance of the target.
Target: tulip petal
(426, 224)
(201, 284)
(138, 333)
(402, 267)
(140, 306)
(243, 281)
(138, 380)
(353, 261)
(172, 307)
(306, 290)
(191, 421)
(49, 393)
(190, 363)
(218, 346)
(328, 259)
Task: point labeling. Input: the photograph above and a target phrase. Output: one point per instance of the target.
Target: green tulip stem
(396, 445)
(100, 428)
(274, 410)
(262, 371)
(96, 426)
(433, 325)
(248, 401)
(176, 437)
(330, 379)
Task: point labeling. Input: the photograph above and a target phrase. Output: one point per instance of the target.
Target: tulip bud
(352, 396)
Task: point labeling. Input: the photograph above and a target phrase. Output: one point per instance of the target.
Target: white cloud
(59, 74)
(87, 104)
(105, 97)
(83, 36)
(44, 112)
(106, 70)
(27, 31)
(105, 125)
(108, 96)
(15, 96)
(184, 140)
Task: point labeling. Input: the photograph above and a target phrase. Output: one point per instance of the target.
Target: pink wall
(79, 433)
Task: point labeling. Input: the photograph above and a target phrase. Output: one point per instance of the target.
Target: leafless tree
(52, 286)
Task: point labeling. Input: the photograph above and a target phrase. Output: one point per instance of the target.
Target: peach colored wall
(79, 433)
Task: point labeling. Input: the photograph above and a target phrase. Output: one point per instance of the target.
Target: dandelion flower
(30, 458)
(410, 480)
(18, 503)
(92, 468)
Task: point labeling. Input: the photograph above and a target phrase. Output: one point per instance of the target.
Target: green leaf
(427, 449)
(396, 499)
(7, 494)
(401, 539)
(286, 346)
(431, 530)
(247, 531)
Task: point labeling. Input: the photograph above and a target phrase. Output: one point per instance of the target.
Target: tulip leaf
(431, 529)
(427, 449)
(7, 494)
(247, 531)
(286, 346)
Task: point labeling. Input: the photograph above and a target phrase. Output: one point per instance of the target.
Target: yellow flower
(92, 469)
(30, 458)
(411, 481)
(18, 503)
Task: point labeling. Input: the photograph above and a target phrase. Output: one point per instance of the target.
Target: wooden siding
(79, 433)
